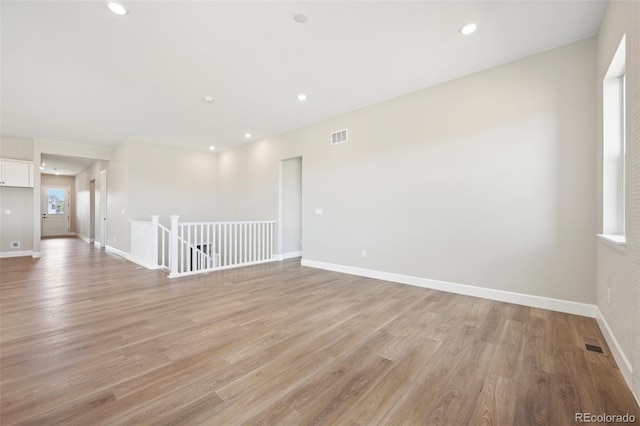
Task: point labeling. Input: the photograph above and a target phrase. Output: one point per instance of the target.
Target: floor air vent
(593, 348)
(339, 137)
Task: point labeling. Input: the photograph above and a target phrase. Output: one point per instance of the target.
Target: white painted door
(56, 217)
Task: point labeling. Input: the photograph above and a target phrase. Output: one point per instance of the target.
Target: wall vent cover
(339, 137)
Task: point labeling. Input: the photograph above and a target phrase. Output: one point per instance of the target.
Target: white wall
(614, 267)
(18, 226)
(166, 180)
(486, 180)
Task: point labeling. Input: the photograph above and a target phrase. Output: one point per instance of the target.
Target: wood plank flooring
(89, 338)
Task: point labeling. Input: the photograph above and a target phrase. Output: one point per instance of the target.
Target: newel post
(154, 241)
(173, 246)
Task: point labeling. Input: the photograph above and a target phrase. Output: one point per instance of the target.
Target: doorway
(92, 211)
(290, 217)
(56, 214)
(100, 211)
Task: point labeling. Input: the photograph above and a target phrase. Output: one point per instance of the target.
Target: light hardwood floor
(88, 338)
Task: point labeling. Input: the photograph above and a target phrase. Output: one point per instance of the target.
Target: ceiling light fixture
(302, 97)
(117, 8)
(247, 135)
(212, 148)
(300, 18)
(469, 28)
(207, 99)
(41, 167)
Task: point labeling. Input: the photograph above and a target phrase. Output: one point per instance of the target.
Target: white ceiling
(62, 165)
(73, 71)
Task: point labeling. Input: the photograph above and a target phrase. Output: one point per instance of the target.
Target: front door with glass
(56, 216)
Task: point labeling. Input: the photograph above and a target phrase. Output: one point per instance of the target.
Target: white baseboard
(21, 253)
(141, 263)
(97, 244)
(119, 252)
(289, 255)
(559, 305)
(82, 237)
(618, 354)
(36, 255)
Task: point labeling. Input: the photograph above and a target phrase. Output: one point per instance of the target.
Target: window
(55, 201)
(613, 154)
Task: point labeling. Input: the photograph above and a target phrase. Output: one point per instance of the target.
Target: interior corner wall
(614, 267)
(485, 180)
(634, 195)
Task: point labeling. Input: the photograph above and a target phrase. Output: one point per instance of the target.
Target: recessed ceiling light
(57, 174)
(469, 28)
(207, 99)
(43, 164)
(300, 18)
(302, 97)
(247, 135)
(41, 167)
(212, 148)
(117, 8)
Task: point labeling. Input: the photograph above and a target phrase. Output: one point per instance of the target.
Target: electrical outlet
(7, 212)
(364, 253)
(15, 244)
(115, 239)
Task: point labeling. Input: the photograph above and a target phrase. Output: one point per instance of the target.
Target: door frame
(101, 208)
(282, 195)
(43, 206)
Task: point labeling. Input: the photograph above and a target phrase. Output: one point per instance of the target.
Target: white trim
(96, 244)
(219, 268)
(559, 305)
(36, 255)
(117, 251)
(82, 237)
(624, 365)
(141, 263)
(618, 242)
(21, 253)
(290, 255)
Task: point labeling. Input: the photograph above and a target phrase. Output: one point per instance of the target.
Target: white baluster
(173, 248)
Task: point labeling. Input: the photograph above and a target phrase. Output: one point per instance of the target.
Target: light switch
(7, 212)
(318, 212)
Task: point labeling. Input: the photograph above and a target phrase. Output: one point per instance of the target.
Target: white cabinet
(16, 173)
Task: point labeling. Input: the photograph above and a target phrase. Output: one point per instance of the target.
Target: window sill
(619, 242)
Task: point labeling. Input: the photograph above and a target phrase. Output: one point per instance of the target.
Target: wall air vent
(339, 137)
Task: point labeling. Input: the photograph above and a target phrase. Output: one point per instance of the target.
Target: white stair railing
(197, 247)
(163, 246)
